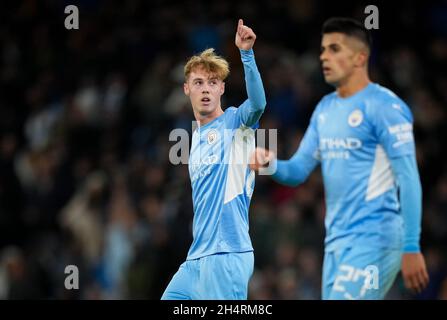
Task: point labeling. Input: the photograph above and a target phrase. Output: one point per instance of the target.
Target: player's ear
(362, 58)
(222, 88)
(186, 88)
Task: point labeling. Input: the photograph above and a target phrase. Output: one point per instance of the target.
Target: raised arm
(252, 109)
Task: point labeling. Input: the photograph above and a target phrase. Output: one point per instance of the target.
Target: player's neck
(203, 119)
(352, 85)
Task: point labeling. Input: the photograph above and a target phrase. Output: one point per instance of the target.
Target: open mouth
(326, 69)
(205, 100)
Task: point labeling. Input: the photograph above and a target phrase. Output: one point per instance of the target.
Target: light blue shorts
(359, 273)
(221, 276)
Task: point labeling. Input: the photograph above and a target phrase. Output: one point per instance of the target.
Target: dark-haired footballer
(362, 135)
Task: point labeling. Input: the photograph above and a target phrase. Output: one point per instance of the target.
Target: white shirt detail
(381, 178)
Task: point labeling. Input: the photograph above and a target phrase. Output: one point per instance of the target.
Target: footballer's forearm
(255, 89)
(294, 171)
(410, 194)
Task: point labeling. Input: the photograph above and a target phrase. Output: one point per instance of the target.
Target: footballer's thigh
(225, 276)
(364, 273)
(329, 273)
(182, 284)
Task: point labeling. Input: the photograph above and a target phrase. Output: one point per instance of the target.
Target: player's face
(338, 58)
(204, 90)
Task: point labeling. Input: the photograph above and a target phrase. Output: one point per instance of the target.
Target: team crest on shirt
(397, 106)
(212, 136)
(355, 118)
(322, 118)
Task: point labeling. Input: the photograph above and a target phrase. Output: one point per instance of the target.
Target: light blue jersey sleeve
(251, 110)
(394, 128)
(294, 171)
(410, 194)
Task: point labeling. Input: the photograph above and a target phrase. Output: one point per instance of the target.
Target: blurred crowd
(85, 117)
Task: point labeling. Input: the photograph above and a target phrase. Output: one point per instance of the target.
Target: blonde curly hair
(210, 62)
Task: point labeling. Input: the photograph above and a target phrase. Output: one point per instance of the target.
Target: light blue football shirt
(222, 183)
(354, 139)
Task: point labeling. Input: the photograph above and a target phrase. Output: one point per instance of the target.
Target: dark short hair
(348, 26)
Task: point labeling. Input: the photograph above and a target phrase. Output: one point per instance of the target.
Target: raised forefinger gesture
(245, 37)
